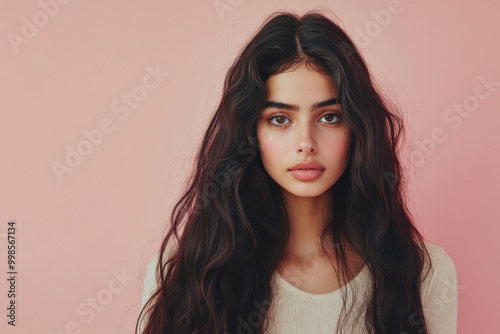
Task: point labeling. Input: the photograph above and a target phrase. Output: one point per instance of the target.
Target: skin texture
(306, 135)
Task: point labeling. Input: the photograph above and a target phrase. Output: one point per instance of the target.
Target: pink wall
(102, 220)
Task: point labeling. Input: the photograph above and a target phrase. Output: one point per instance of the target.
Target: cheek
(273, 150)
(338, 147)
(272, 146)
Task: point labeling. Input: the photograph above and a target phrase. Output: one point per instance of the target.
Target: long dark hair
(235, 225)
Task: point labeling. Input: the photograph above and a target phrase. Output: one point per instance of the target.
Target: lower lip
(307, 174)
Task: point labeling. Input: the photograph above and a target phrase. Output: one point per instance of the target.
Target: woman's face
(309, 133)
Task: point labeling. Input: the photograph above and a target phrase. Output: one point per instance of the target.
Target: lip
(306, 174)
(307, 165)
(307, 170)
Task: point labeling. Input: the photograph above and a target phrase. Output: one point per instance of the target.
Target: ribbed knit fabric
(294, 311)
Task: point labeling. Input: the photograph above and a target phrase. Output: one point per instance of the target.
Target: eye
(331, 119)
(279, 119)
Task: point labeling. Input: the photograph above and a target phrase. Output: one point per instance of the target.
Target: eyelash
(282, 115)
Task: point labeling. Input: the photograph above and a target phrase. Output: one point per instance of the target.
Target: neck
(308, 217)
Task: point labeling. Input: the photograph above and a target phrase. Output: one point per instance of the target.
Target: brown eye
(330, 117)
(280, 119)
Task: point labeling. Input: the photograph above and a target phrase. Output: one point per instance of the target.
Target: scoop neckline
(290, 287)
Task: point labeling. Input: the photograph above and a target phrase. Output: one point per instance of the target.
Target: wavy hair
(235, 223)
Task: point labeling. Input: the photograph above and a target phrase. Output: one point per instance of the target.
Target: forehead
(300, 84)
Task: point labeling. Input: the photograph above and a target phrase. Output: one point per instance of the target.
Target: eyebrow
(294, 107)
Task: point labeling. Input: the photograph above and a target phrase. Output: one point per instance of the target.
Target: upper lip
(307, 165)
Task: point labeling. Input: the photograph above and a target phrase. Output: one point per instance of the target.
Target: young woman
(294, 220)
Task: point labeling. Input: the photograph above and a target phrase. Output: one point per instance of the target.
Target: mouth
(306, 169)
(307, 165)
(306, 174)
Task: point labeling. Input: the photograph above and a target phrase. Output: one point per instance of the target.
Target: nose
(305, 139)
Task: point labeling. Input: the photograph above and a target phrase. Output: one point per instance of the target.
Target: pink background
(106, 216)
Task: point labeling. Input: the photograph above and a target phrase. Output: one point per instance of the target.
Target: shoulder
(439, 291)
(442, 266)
(150, 280)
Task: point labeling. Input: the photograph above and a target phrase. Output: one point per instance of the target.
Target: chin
(307, 190)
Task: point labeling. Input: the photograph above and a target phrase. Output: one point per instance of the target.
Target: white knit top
(294, 311)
